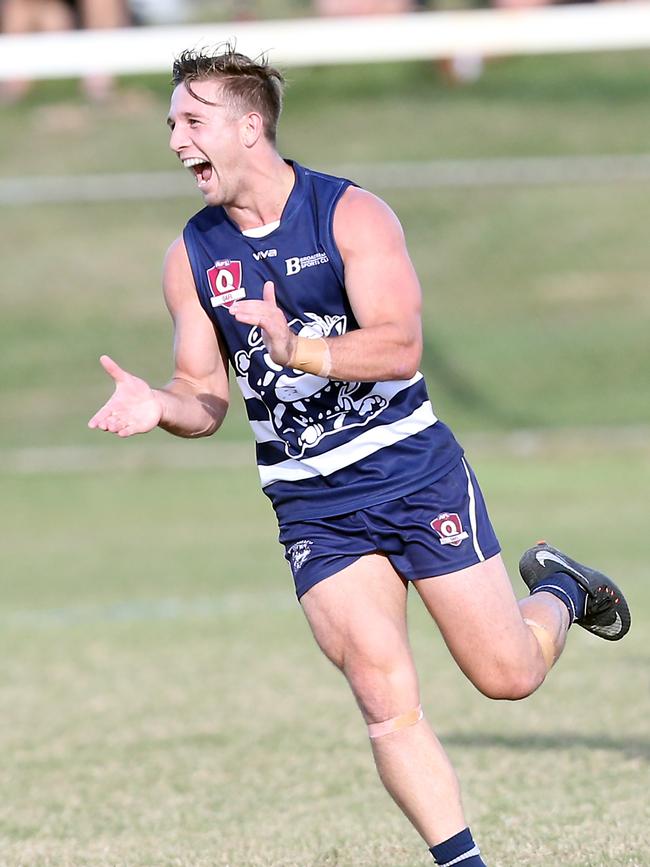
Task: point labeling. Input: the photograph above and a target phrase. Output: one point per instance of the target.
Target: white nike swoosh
(543, 556)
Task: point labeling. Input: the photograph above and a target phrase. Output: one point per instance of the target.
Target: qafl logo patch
(225, 283)
(449, 528)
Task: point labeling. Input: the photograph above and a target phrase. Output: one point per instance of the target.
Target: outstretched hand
(278, 338)
(133, 408)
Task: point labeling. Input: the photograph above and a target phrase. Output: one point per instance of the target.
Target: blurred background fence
(461, 36)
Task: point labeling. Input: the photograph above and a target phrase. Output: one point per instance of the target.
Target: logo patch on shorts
(449, 528)
(298, 553)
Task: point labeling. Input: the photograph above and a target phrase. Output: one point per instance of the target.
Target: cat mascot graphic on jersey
(304, 408)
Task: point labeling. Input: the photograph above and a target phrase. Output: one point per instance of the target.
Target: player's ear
(251, 127)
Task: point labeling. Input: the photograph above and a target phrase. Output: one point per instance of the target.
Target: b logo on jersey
(225, 282)
(449, 528)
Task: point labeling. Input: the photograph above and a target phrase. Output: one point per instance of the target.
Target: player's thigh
(477, 613)
(359, 609)
(358, 618)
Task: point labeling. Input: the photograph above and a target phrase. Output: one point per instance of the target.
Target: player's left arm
(384, 294)
(383, 290)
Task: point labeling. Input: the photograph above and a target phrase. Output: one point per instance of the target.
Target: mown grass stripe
(465, 173)
(153, 610)
(174, 455)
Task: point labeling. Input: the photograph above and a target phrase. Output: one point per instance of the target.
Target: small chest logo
(449, 528)
(265, 254)
(225, 283)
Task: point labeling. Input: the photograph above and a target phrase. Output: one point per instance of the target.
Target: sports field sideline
(163, 703)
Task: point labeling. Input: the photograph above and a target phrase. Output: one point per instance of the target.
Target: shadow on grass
(631, 747)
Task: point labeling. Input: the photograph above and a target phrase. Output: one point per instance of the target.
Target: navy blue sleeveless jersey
(324, 447)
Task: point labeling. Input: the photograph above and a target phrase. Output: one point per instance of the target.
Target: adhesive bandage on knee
(545, 639)
(378, 730)
(311, 355)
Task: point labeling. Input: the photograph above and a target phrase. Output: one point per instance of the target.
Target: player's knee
(381, 684)
(508, 683)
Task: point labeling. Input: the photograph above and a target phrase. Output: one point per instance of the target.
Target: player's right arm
(194, 402)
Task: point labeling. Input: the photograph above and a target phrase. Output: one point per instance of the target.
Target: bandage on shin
(377, 730)
(312, 355)
(544, 637)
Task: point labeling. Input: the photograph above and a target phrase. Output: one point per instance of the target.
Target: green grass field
(163, 702)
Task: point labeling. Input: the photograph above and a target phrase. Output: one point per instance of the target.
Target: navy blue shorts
(434, 531)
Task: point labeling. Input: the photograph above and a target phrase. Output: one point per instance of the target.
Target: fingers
(112, 421)
(250, 312)
(133, 407)
(253, 312)
(112, 368)
(105, 415)
(99, 419)
(104, 419)
(268, 293)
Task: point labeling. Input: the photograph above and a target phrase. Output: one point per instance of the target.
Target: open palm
(133, 407)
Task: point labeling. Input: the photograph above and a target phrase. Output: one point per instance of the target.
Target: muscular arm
(383, 290)
(194, 402)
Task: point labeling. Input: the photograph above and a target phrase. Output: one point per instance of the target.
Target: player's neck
(268, 185)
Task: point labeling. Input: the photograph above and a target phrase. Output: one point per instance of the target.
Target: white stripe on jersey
(367, 443)
(264, 432)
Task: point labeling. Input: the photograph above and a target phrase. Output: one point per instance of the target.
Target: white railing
(314, 41)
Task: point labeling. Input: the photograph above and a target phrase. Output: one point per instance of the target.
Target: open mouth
(200, 168)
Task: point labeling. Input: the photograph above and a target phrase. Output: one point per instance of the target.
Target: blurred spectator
(523, 4)
(36, 16)
(100, 15)
(158, 11)
(364, 7)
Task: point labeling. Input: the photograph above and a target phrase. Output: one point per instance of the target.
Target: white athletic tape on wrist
(312, 355)
(378, 730)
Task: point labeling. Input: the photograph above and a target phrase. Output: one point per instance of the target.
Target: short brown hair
(247, 84)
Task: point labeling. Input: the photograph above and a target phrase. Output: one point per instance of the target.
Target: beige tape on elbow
(378, 730)
(544, 637)
(312, 355)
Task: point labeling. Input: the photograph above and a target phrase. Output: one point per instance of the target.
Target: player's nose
(177, 140)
